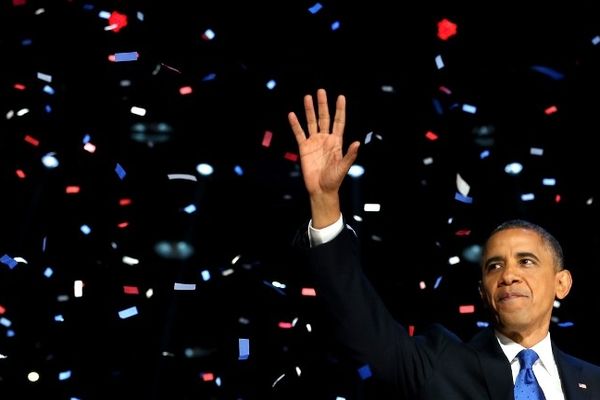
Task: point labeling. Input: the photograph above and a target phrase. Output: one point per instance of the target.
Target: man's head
(522, 273)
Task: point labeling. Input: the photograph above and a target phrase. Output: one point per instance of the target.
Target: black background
(489, 64)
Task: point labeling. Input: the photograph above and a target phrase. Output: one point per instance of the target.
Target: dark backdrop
(511, 66)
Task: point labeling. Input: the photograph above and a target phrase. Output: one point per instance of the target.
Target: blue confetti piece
(315, 8)
(549, 72)
(26, 42)
(239, 171)
(190, 209)
(64, 375)
(482, 324)
(566, 324)
(85, 229)
(130, 56)
(463, 199)
(8, 260)
(437, 106)
(335, 25)
(86, 138)
(128, 312)
(437, 282)
(468, 108)
(48, 272)
(5, 322)
(484, 154)
(48, 89)
(120, 171)
(59, 318)
(365, 372)
(271, 84)
(210, 77)
(244, 347)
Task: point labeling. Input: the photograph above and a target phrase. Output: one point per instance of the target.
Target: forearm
(325, 209)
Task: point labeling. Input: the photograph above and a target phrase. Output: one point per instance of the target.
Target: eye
(493, 266)
(527, 261)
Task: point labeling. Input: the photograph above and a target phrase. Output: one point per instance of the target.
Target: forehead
(516, 240)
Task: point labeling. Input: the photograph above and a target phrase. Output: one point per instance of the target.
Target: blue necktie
(526, 386)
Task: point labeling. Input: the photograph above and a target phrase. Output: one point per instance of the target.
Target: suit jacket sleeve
(362, 323)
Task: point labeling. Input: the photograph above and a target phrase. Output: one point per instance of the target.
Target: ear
(481, 291)
(564, 281)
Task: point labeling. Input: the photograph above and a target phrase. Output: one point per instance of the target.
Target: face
(520, 282)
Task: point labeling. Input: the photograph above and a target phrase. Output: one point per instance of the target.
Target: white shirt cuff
(324, 235)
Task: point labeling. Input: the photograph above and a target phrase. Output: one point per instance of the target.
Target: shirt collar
(543, 348)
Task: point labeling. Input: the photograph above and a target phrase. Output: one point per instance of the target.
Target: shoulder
(587, 367)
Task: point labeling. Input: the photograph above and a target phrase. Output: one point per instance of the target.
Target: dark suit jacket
(435, 365)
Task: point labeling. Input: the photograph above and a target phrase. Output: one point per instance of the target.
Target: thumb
(351, 154)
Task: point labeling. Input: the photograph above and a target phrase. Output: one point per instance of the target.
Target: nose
(510, 274)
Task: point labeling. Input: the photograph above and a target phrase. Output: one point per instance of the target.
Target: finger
(323, 111)
(351, 155)
(296, 128)
(311, 119)
(339, 121)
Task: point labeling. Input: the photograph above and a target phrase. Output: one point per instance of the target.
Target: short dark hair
(546, 236)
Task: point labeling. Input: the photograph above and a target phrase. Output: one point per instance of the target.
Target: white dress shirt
(544, 368)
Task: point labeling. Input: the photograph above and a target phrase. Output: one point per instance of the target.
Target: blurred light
(208, 34)
(513, 168)
(205, 169)
(152, 132)
(33, 376)
(271, 84)
(472, 253)
(174, 250)
(356, 171)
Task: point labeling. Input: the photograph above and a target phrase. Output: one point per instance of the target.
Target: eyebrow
(521, 254)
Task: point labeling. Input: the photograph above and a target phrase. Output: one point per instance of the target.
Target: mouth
(510, 296)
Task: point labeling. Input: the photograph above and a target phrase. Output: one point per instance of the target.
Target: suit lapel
(495, 366)
(571, 376)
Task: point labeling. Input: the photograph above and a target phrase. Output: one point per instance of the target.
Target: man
(522, 275)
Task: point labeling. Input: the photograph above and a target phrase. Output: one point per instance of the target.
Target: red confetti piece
(290, 156)
(19, 86)
(469, 309)
(445, 90)
(285, 325)
(21, 174)
(185, 90)
(266, 141)
(72, 189)
(123, 224)
(125, 202)
(118, 20)
(446, 29)
(207, 376)
(431, 136)
(557, 198)
(31, 140)
(131, 290)
(309, 292)
(550, 110)
(463, 232)
(2, 309)
(411, 330)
